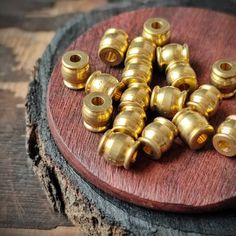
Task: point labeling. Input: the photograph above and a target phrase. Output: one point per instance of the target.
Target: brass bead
(140, 48)
(182, 76)
(118, 148)
(75, 69)
(106, 83)
(167, 101)
(157, 137)
(193, 127)
(223, 77)
(157, 30)
(113, 46)
(137, 93)
(224, 141)
(205, 100)
(97, 111)
(130, 119)
(172, 52)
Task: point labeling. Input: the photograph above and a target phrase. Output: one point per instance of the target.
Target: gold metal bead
(140, 48)
(97, 111)
(224, 141)
(106, 83)
(157, 30)
(75, 69)
(193, 127)
(113, 46)
(205, 100)
(118, 148)
(157, 137)
(137, 93)
(182, 76)
(172, 52)
(223, 77)
(167, 101)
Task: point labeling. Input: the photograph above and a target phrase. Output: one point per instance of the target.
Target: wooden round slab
(183, 180)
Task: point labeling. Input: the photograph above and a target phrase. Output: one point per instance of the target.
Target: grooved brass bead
(224, 141)
(130, 119)
(141, 48)
(182, 76)
(167, 100)
(157, 30)
(193, 127)
(223, 77)
(118, 148)
(138, 93)
(106, 83)
(113, 46)
(205, 100)
(172, 52)
(75, 69)
(157, 137)
(97, 111)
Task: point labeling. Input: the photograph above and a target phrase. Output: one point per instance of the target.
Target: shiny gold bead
(172, 52)
(141, 48)
(75, 69)
(167, 101)
(97, 111)
(205, 100)
(113, 46)
(223, 77)
(193, 127)
(182, 76)
(157, 30)
(224, 140)
(106, 83)
(157, 137)
(118, 148)
(137, 93)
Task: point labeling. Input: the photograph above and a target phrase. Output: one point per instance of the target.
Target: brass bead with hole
(193, 128)
(167, 101)
(171, 53)
(106, 83)
(182, 76)
(157, 137)
(205, 100)
(75, 69)
(97, 111)
(113, 46)
(224, 141)
(157, 30)
(223, 77)
(118, 148)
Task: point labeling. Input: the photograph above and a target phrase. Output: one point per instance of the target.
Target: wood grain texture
(183, 180)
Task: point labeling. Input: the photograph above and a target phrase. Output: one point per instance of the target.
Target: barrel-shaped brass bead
(141, 48)
(97, 111)
(182, 76)
(157, 30)
(167, 101)
(193, 128)
(113, 46)
(137, 93)
(157, 137)
(172, 52)
(224, 141)
(223, 77)
(105, 83)
(205, 100)
(118, 148)
(75, 69)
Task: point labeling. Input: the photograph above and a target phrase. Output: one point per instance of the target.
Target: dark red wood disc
(183, 180)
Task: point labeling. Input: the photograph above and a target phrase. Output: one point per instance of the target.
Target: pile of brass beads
(183, 107)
